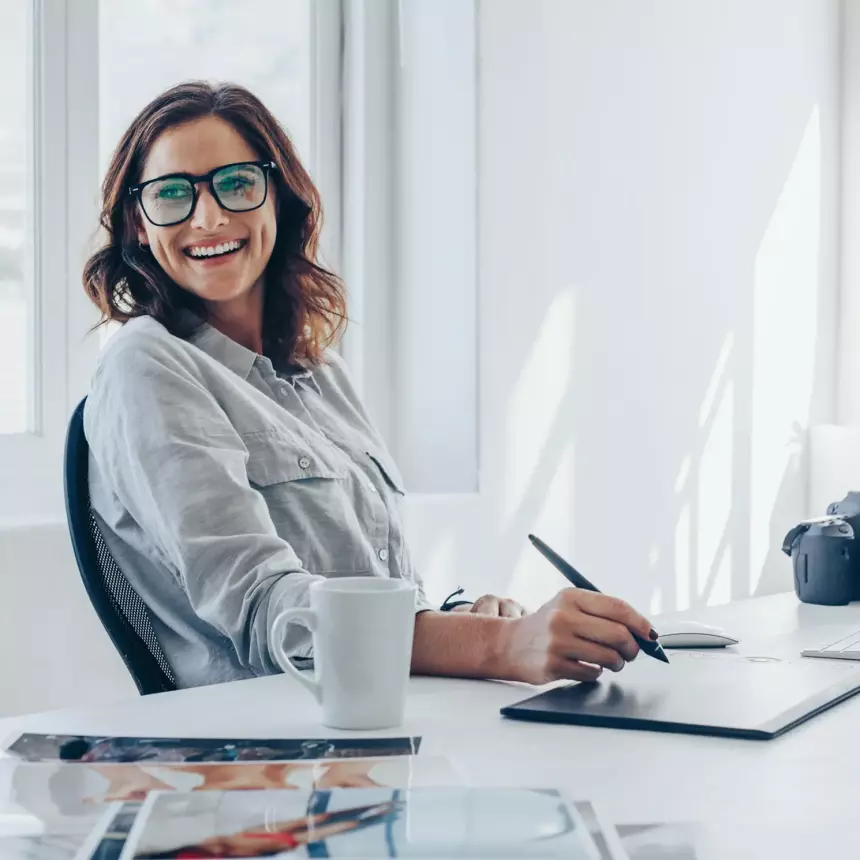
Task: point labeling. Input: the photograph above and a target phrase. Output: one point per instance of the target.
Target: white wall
(55, 653)
(658, 218)
(848, 411)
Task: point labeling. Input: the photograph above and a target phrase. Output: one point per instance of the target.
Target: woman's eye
(173, 192)
(235, 183)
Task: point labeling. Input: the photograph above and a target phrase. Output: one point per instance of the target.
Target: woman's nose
(208, 214)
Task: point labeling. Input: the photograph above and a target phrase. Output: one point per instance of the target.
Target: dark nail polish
(653, 634)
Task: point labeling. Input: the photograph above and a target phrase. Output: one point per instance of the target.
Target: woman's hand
(489, 604)
(573, 636)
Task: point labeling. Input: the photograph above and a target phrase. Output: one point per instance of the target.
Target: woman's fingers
(605, 633)
(489, 604)
(611, 608)
(486, 605)
(565, 669)
(591, 652)
(510, 608)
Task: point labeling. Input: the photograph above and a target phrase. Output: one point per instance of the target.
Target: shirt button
(383, 555)
(304, 462)
(372, 488)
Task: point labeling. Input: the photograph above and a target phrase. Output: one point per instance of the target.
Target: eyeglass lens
(237, 188)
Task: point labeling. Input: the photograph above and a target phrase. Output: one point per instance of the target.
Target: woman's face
(198, 147)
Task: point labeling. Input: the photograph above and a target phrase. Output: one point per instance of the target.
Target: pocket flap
(389, 471)
(274, 458)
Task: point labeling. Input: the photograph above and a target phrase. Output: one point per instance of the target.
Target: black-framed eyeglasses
(169, 200)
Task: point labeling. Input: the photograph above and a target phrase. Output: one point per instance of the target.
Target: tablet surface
(700, 693)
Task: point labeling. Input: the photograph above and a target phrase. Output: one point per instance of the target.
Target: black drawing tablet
(700, 693)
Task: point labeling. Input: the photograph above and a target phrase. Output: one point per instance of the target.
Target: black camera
(825, 554)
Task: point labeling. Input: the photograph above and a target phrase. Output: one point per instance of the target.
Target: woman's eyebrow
(168, 174)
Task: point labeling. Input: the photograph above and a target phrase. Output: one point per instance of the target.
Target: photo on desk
(361, 822)
(91, 748)
(108, 838)
(70, 798)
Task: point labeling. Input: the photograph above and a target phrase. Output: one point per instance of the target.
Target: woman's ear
(137, 225)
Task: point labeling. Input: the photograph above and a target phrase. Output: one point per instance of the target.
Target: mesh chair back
(119, 607)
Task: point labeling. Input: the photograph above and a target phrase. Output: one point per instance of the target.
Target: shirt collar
(233, 355)
(223, 349)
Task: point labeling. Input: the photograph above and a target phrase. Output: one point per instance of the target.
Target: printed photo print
(69, 798)
(88, 748)
(369, 823)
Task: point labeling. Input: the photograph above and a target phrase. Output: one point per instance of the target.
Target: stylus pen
(652, 649)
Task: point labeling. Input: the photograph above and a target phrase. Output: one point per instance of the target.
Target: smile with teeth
(215, 250)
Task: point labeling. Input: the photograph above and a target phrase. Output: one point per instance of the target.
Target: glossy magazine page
(440, 822)
(96, 748)
(39, 798)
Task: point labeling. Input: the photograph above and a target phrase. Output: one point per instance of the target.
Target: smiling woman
(192, 226)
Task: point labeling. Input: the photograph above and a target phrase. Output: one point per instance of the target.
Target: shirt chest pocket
(309, 503)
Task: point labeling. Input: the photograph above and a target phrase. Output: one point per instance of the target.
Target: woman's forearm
(460, 645)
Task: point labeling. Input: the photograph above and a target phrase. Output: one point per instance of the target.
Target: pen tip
(661, 655)
(532, 538)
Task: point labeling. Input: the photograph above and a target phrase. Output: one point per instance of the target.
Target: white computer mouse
(692, 634)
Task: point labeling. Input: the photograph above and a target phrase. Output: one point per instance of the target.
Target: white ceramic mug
(362, 630)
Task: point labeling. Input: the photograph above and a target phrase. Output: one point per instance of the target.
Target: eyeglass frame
(137, 190)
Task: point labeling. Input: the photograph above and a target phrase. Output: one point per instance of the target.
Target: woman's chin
(222, 293)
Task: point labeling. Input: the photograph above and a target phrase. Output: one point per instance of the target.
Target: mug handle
(304, 616)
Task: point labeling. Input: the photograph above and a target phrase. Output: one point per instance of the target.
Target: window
(55, 142)
(16, 284)
(146, 46)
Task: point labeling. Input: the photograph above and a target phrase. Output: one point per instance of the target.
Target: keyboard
(846, 648)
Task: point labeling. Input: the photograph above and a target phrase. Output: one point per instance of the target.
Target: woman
(232, 462)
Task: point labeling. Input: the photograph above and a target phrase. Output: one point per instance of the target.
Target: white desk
(793, 797)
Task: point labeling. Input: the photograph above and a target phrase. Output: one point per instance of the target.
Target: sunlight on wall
(537, 398)
(785, 311)
(683, 473)
(714, 504)
(655, 605)
(702, 564)
(786, 305)
(535, 581)
(683, 574)
(717, 379)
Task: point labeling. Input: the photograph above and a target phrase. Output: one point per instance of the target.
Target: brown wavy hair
(304, 308)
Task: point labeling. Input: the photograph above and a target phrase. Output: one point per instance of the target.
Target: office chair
(119, 607)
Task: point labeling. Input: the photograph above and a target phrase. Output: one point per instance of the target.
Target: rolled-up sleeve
(178, 466)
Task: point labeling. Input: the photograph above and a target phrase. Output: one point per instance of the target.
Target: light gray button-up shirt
(225, 487)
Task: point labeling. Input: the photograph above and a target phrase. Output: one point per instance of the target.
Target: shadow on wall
(651, 343)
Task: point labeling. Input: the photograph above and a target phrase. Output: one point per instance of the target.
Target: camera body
(825, 554)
